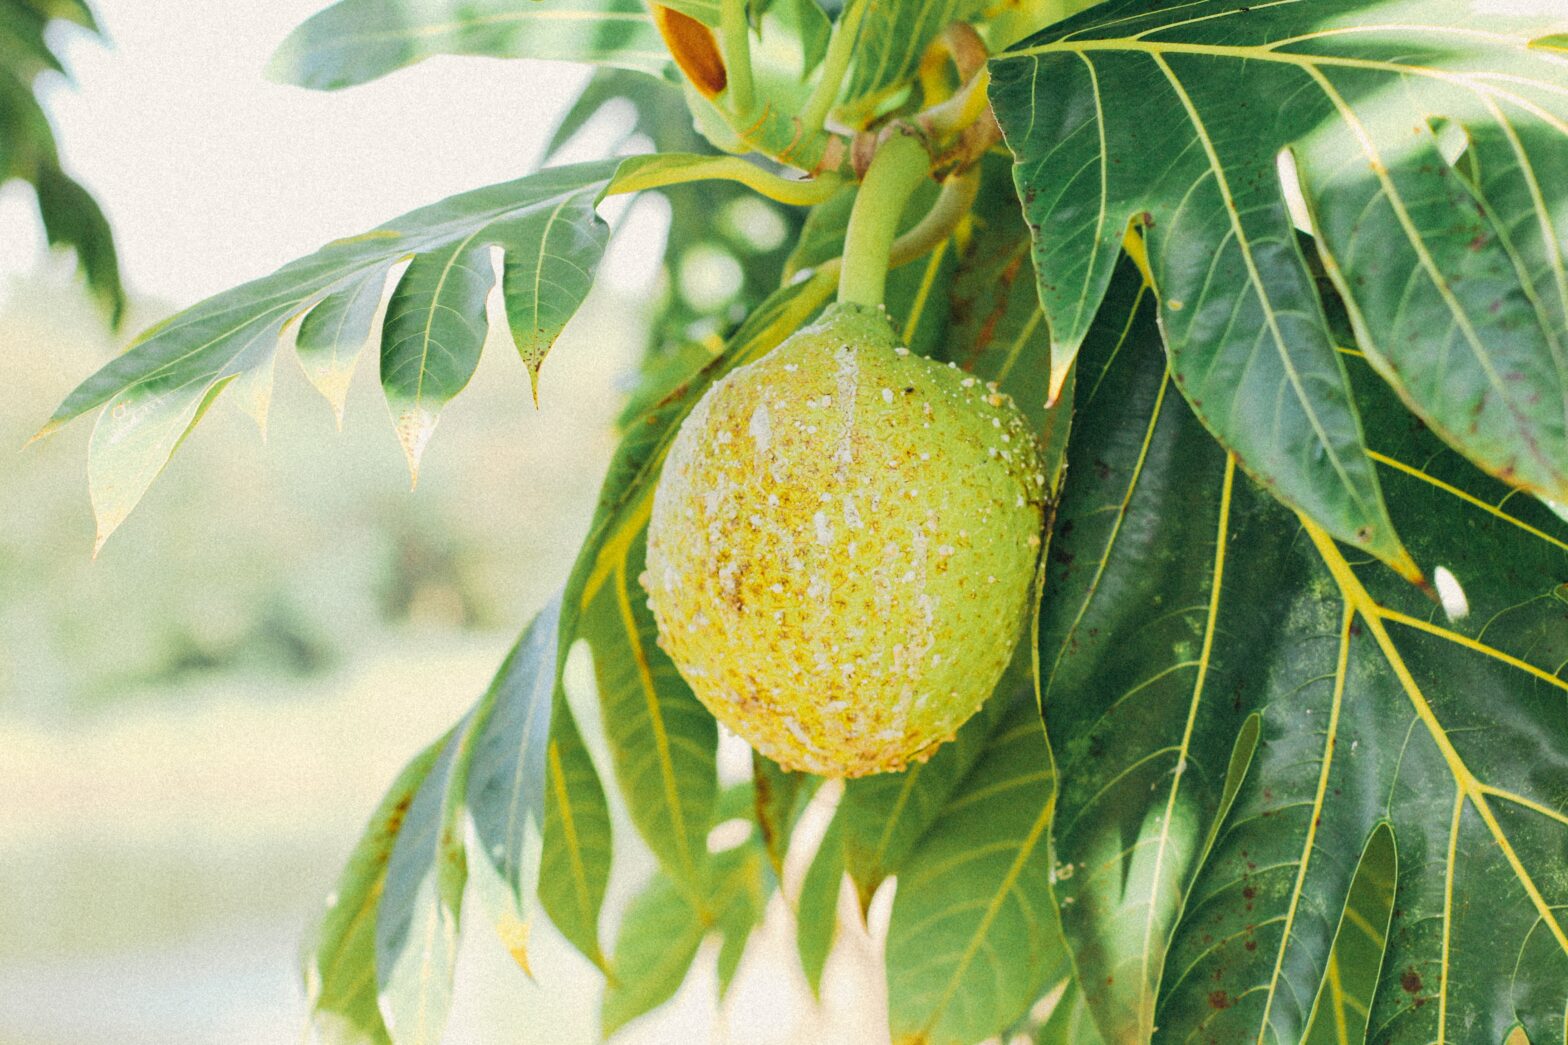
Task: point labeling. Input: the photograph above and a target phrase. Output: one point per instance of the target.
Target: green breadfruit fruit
(843, 547)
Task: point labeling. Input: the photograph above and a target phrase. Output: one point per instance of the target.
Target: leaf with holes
(551, 241)
(356, 41)
(1173, 117)
(1226, 757)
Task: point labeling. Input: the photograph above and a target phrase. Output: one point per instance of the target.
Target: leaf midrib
(1356, 596)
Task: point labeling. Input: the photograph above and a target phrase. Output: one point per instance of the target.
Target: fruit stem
(734, 31)
(901, 163)
(834, 65)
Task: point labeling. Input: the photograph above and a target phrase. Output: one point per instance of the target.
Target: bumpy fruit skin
(843, 546)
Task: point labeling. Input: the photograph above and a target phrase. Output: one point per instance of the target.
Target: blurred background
(194, 726)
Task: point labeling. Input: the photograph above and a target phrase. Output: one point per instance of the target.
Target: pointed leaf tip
(414, 427)
(514, 936)
(252, 391)
(1062, 357)
(333, 383)
(50, 428)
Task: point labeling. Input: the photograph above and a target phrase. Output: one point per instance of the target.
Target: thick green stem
(834, 65)
(897, 169)
(737, 55)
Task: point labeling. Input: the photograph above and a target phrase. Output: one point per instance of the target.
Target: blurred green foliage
(335, 550)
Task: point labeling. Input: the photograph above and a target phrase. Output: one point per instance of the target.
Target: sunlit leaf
(661, 738)
(551, 241)
(355, 41)
(419, 912)
(574, 864)
(340, 971)
(664, 926)
(816, 916)
(334, 333)
(509, 770)
(972, 930)
(658, 940)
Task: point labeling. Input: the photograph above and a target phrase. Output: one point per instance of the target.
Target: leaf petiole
(733, 30)
(897, 169)
(834, 65)
(656, 170)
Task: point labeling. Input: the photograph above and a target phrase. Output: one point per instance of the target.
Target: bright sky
(212, 175)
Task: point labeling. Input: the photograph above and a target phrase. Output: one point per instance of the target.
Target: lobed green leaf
(1203, 873)
(153, 395)
(1146, 115)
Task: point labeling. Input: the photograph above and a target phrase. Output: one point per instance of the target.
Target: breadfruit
(842, 547)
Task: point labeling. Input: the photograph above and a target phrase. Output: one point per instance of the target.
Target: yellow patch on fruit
(843, 545)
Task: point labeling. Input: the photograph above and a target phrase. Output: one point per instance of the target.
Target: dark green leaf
(1132, 114)
(1186, 607)
(355, 41)
(998, 331)
(1345, 998)
(71, 217)
(154, 393)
